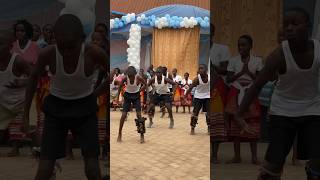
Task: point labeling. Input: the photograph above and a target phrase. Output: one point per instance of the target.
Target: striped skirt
(177, 97)
(218, 124)
(252, 117)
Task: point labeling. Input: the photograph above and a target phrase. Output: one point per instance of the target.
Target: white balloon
(75, 6)
(86, 16)
(182, 24)
(143, 16)
(89, 3)
(139, 19)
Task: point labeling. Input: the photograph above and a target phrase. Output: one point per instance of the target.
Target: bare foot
(255, 161)
(119, 138)
(235, 160)
(142, 138)
(192, 131)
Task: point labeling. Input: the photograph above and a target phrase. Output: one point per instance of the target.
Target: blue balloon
(152, 23)
(116, 20)
(206, 19)
(121, 24)
(123, 18)
(203, 24)
(124, 21)
(116, 26)
(153, 17)
(132, 18)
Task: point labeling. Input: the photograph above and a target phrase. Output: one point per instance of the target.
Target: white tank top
(132, 88)
(71, 86)
(11, 98)
(161, 88)
(203, 89)
(297, 91)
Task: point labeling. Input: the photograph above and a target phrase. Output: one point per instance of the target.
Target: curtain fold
(176, 48)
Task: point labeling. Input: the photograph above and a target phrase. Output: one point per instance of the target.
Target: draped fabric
(176, 48)
(261, 19)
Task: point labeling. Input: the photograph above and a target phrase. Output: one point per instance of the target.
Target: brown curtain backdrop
(176, 48)
(260, 19)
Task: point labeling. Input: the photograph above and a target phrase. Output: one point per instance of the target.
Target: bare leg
(214, 155)
(254, 149)
(169, 107)
(69, 151)
(295, 161)
(151, 111)
(45, 169)
(92, 169)
(237, 156)
(122, 119)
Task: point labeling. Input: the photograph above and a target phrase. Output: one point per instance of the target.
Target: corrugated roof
(138, 6)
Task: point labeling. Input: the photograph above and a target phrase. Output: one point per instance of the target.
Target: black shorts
(283, 131)
(200, 104)
(131, 98)
(159, 98)
(78, 116)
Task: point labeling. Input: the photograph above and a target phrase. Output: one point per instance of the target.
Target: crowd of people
(280, 94)
(59, 74)
(159, 87)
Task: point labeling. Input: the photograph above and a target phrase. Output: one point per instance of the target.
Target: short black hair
(248, 38)
(118, 69)
(205, 66)
(131, 70)
(69, 23)
(101, 25)
(302, 12)
(27, 27)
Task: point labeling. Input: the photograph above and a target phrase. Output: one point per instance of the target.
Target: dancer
(242, 71)
(143, 93)
(14, 72)
(72, 103)
(133, 83)
(295, 103)
(47, 38)
(219, 58)
(36, 32)
(201, 96)
(116, 98)
(29, 51)
(177, 93)
(161, 94)
(186, 83)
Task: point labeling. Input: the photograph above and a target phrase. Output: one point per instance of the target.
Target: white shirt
(297, 91)
(236, 65)
(219, 53)
(177, 78)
